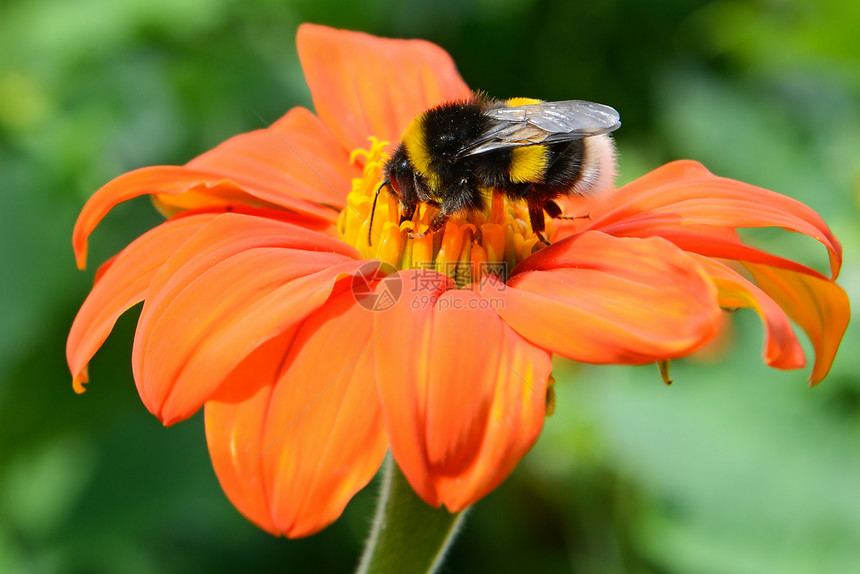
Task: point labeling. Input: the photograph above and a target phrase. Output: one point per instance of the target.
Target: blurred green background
(736, 468)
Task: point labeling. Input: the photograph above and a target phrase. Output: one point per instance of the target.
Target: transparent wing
(543, 123)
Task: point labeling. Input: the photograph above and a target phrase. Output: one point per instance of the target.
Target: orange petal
(367, 86)
(324, 435)
(181, 188)
(237, 283)
(463, 395)
(684, 193)
(819, 306)
(602, 299)
(292, 450)
(123, 284)
(235, 420)
(296, 156)
(782, 349)
(720, 243)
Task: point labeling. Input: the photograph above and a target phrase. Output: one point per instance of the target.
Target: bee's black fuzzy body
(453, 154)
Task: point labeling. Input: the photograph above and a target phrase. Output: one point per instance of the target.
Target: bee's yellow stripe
(514, 102)
(415, 142)
(528, 164)
(416, 145)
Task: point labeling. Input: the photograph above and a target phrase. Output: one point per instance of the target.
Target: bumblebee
(453, 155)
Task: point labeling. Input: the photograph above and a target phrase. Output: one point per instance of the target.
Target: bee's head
(400, 174)
(400, 181)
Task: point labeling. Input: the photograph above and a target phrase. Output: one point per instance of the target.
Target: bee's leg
(586, 216)
(537, 221)
(543, 239)
(413, 190)
(554, 211)
(422, 190)
(438, 223)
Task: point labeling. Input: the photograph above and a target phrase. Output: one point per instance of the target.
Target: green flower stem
(409, 536)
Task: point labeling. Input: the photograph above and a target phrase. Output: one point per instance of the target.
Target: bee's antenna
(373, 210)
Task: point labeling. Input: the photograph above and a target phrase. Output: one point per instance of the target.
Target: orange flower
(259, 294)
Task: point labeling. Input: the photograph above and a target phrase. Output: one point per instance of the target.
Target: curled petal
(296, 156)
(782, 349)
(819, 306)
(291, 452)
(463, 395)
(122, 284)
(601, 299)
(363, 85)
(721, 243)
(177, 189)
(239, 282)
(684, 193)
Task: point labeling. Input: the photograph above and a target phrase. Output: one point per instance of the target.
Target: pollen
(471, 246)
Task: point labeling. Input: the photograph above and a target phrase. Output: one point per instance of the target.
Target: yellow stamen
(479, 262)
(493, 241)
(422, 250)
(455, 238)
(471, 246)
(390, 244)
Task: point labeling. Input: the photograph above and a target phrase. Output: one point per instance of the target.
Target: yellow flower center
(472, 244)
